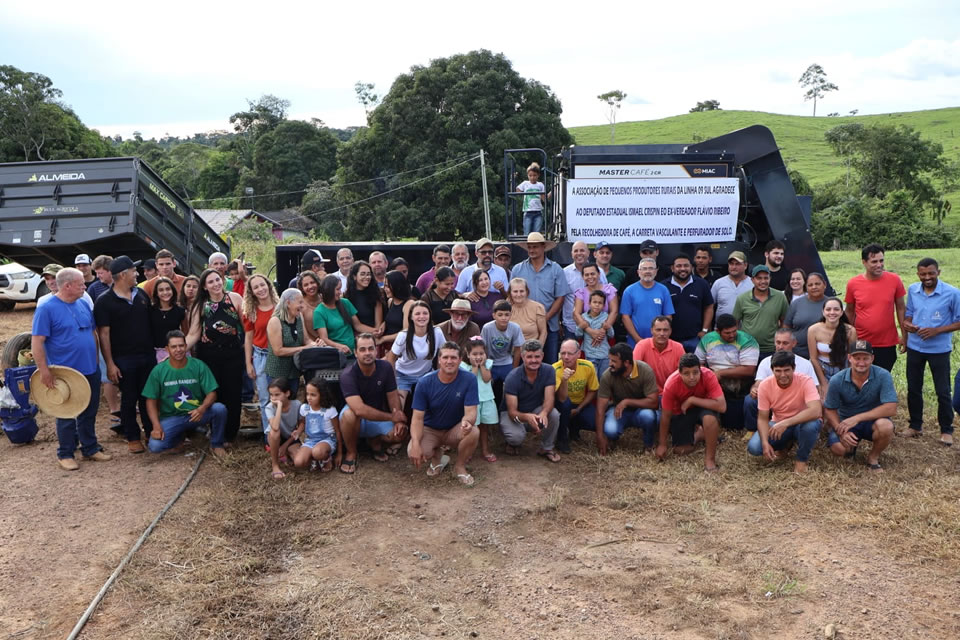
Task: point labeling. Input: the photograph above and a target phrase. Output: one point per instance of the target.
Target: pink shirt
(584, 294)
(663, 362)
(786, 403)
(425, 280)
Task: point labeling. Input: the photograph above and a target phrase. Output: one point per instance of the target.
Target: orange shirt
(663, 362)
(875, 304)
(152, 282)
(259, 327)
(786, 403)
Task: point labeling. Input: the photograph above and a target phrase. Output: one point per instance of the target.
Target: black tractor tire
(11, 350)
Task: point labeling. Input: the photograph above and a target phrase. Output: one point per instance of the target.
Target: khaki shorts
(433, 438)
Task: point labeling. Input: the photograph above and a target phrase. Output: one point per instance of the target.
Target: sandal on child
(278, 475)
(490, 457)
(465, 478)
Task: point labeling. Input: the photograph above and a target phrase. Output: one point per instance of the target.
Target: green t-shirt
(332, 321)
(179, 391)
(616, 278)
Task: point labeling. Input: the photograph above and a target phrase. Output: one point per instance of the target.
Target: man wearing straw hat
(548, 286)
(67, 381)
(459, 328)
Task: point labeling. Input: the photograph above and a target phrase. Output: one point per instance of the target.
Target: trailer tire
(11, 350)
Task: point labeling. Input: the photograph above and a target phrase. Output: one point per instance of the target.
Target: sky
(180, 67)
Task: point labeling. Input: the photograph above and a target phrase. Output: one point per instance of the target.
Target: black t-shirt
(372, 390)
(129, 322)
(163, 321)
(780, 279)
(688, 305)
(366, 308)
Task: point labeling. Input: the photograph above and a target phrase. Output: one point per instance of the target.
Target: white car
(19, 284)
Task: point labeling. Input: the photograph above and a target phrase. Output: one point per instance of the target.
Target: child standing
(532, 203)
(283, 424)
(487, 415)
(596, 351)
(320, 422)
(503, 340)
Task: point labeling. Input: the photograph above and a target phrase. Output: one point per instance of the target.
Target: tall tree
(814, 80)
(260, 117)
(432, 116)
(27, 112)
(612, 99)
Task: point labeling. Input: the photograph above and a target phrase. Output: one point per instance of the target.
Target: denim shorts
(371, 428)
(405, 382)
(312, 442)
(863, 431)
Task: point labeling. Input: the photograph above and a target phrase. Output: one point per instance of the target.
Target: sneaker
(100, 456)
(68, 464)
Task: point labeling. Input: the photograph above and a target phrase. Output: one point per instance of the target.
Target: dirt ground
(594, 547)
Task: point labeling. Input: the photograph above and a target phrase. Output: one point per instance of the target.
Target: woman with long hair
(335, 319)
(165, 315)
(441, 294)
(188, 293)
(414, 349)
(366, 298)
(796, 285)
(805, 311)
(216, 329)
(399, 300)
(286, 336)
(309, 284)
(529, 314)
(486, 296)
(581, 303)
(829, 342)
(259, 300)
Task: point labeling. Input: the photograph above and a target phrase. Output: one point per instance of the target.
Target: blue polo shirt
(443, 403)
(643, 305)
(938, 309)
(848, 400)
(68, 329)
(529, 394)
(689, 302)
(546, 285)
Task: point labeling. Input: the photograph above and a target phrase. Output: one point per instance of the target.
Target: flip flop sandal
(278, 475)
(348, 467)
(435, 470)
(875, 466)
(465, 478)
(326, 466)
(490, 457)
(380, 456)
(393, 449)
(551, 455)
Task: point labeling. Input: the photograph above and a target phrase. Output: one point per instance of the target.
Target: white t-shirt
(44, 298)
(764, 370)
(496, 273)
(532, 202)
(421, 347)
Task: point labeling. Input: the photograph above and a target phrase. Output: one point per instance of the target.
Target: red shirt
(675, 391)
(874, 303)
(663, 362)
(259, 327)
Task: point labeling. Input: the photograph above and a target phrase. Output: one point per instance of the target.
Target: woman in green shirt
(335, 319)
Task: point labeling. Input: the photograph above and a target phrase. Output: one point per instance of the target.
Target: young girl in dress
(284, 430)
(487, 416)
(319, 421)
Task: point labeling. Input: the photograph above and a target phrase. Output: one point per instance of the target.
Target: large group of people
(438, 363)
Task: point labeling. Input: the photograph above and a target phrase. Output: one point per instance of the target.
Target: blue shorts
(863, 431)
(371, 428)
(312, 442)
(487, 412)
(405, 382)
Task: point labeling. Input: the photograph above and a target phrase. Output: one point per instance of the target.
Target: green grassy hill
(800, 137)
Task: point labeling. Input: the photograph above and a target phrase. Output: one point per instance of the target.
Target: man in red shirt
(692, 401)
(872, 298)
(659, 351)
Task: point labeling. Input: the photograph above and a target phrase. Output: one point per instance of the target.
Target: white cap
(82, 259)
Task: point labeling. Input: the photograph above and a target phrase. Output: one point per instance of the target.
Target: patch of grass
(553, 500)
(780, 584)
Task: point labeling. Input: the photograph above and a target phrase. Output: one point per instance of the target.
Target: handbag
(316, 358)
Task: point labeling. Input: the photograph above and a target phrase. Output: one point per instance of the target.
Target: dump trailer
(52, 211)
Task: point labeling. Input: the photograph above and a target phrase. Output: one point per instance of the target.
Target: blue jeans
(647, 420)
(175, 427)
(532, 221)
(134, 371)
(690, 344)
(804, 434)
(750, 409)
(246, 388)
(83, 427)
(600, 364)
(263, 394)
(551, 347)
(571, 425)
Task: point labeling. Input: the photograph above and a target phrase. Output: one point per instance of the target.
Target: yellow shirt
(584, 379)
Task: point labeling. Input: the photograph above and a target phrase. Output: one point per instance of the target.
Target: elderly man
(373, 409)
(784, 340)
(344, 263)
(441, 258)
(692, 303)
(548, 286)
(445, 415)
(792, 398)
(732, 355)
(627, 397)
(529, 400)
(643, 301)
(460, 258)
(84, 265)
(603, 254)
(181, 395)
(761, 310)
(166, 268)
(576, 391)
(217, 261)
(659, 351)
(498, 277)
(692, 398)
(378, 264)
(574, 274)
(859, 406)
(314, 261)
(64, 334)
(875, 305)
(101, 267)
(459, 328)
(727, 289)
(121, 314)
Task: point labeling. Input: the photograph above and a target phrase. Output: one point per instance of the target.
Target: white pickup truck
(19, 284)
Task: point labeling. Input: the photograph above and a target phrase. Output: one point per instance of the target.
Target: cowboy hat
(537, 238)
(69, 396)
(460, 305)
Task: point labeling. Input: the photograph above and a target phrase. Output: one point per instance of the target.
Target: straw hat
(537, 237)
(68, 398)
(460, 305)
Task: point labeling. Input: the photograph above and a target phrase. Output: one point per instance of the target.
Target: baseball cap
(760, 268)
(310, 258)
(482, 242)
(503, 250)
(82, 258)
(861, 346)
(150, 263)
(738, 256)
(122, 263)
(648, 245)
(601, 245)
(51, 269)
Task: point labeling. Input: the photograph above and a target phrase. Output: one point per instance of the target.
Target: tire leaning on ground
(11, 351)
